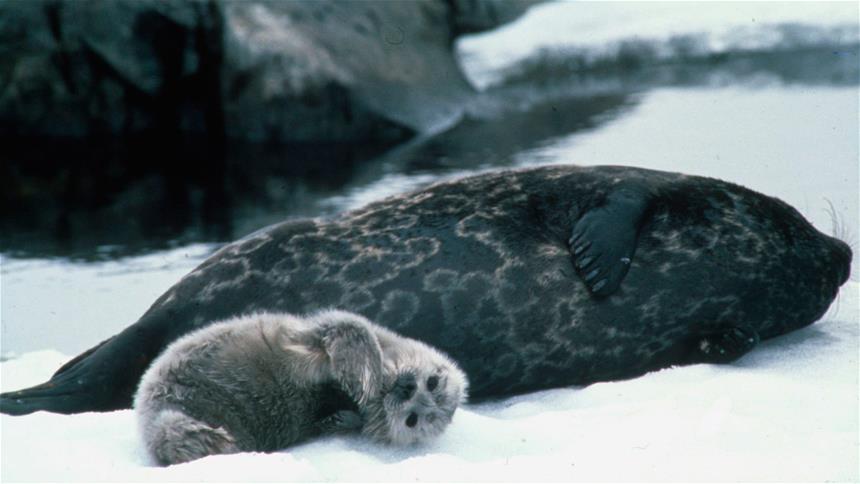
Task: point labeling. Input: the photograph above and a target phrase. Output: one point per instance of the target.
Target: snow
(786, 411)
(82, 294)
(584, 26)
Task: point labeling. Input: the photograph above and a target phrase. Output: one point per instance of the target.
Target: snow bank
(787, 411)
(598, 32)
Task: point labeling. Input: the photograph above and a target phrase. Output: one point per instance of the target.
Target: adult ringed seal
(528, 279)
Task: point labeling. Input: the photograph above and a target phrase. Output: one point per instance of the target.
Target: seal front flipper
(354, 353)
(604, 239)
(342, 421)
(725, 347)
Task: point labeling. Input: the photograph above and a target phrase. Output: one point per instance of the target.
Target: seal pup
(265, 381)
(529, 279)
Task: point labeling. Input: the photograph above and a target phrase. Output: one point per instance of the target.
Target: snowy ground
(599, 29)
(786, 412)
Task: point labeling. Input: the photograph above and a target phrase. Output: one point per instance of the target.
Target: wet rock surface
(158, 116)
(251, 70)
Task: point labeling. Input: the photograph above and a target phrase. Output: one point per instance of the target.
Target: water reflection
(67, 198)
(477, 144)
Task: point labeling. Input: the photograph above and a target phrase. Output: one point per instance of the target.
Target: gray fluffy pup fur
(265, 381)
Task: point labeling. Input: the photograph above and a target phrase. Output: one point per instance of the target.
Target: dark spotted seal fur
(486, 269)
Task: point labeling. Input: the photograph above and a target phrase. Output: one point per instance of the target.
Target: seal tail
(100, 379)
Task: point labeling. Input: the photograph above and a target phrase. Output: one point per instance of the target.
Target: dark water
(93, 199)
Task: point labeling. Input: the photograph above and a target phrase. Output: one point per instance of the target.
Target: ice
(785, 412)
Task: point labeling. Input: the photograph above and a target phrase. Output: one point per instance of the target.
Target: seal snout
(405, 386)
(842, 257)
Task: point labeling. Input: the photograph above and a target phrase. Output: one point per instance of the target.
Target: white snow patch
(600, 27)
(71, 306)
(786, 412)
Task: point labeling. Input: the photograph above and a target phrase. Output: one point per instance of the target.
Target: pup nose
(404, 387)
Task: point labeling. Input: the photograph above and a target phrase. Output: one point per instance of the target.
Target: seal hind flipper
(74, 361)
(604, 239)
(176, 438)
(42, 397)
(102, 378)
(56, 395)
(80, 388)
(725, 347)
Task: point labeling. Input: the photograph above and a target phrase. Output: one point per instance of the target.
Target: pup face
(417, 401)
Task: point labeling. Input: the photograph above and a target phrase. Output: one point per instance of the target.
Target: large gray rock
(296, 71)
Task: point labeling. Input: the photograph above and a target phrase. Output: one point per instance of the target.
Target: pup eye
(412, 419)
(432, 382)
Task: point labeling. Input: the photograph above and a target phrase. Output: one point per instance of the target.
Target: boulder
(274, 71)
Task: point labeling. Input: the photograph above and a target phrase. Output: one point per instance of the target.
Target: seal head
(420, 394)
